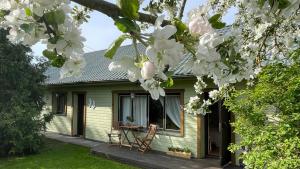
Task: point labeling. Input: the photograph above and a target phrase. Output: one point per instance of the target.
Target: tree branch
(181, 10)
(114, 11)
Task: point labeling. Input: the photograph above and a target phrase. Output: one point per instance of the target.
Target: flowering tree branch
(180, 14)
(114, 11)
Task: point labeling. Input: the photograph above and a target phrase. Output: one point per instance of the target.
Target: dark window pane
(59, 105)
(156, 112)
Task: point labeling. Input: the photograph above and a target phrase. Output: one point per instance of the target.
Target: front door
(225, 154)
(80, 114)
(213, 133)
(217, 132)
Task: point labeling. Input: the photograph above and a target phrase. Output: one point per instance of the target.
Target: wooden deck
(148, 160)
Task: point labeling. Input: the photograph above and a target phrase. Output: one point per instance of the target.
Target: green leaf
(218, 25)
(55, 17)
(215, 21)
(27, 27)
(271, 2)
(215, 18)
(111, 51)
(55, 60)
(167, 83)
(58, 61)
(283, 4)
(129, 8)
(261, 3)
(181, 27)
(49, 54)
(28, 12)
(126, 25)
(53, 40)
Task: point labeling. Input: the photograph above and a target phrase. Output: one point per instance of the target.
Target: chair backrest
(151, 131)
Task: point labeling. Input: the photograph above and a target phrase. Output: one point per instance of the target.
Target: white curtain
(172, 109)
(126, 107)
(140, 110)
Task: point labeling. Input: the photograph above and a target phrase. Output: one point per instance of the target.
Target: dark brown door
(225, 154)
(80, 119)
(213, 133)
(217, 132)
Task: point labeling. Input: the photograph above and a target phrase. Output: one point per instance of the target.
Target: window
(142, 110)
(59, 103)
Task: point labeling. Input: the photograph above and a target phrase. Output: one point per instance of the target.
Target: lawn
(58, 155)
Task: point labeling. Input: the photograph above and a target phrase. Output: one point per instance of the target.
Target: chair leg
(109, 139)
(119, 139)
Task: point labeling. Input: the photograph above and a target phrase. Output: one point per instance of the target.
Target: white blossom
(153, 87)
(214, 94)
(148, 70)
(72, 67)
(126, 64)
(165, 51)
(198, 21)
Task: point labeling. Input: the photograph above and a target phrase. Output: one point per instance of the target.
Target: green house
(87, 106)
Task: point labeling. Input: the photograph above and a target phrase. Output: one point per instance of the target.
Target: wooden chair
(144, 143)
(115, 132)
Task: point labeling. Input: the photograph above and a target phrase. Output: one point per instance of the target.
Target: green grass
(58, 155)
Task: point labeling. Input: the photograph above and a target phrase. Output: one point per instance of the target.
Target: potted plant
(179, 152)
(129, 120)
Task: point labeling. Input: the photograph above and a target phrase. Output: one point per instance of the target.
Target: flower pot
(180, 154)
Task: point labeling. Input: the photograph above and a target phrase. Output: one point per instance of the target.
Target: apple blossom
(148, 70)
(73, 67)
(198, 21)
(153, 87)
(213, 94)
(126, 64)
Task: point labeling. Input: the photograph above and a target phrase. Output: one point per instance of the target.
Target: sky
(100, 30)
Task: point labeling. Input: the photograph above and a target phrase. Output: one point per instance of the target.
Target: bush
(268, 119)
(21, 100)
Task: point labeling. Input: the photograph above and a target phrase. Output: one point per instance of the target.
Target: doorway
(217, 132)
(78, 114)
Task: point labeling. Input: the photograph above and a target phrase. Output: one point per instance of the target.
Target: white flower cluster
(260, 35)
(195, 107)
(267, 33)
(200, 85)
(161, 53)
(164, 51)
(28, 21)
(198, 21)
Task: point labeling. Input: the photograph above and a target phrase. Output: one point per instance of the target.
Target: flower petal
(159, 20)
(168, 31)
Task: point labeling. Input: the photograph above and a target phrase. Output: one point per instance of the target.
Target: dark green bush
(21, 100)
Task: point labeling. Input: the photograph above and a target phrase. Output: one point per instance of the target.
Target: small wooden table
(132, 129)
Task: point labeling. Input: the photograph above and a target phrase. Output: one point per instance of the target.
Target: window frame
(54, 99)
(164, 131)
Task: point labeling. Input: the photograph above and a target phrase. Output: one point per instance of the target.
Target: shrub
(21, 100)
(268, 119)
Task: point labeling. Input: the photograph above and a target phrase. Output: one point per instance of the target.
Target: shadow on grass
(63, 156)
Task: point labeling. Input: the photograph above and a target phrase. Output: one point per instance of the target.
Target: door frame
(205, 130)
(206, 133)
(84, 112)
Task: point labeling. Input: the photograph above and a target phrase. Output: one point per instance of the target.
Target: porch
(150, 159)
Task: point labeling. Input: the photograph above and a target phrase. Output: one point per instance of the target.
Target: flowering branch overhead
(114, 11)
(263, 32)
